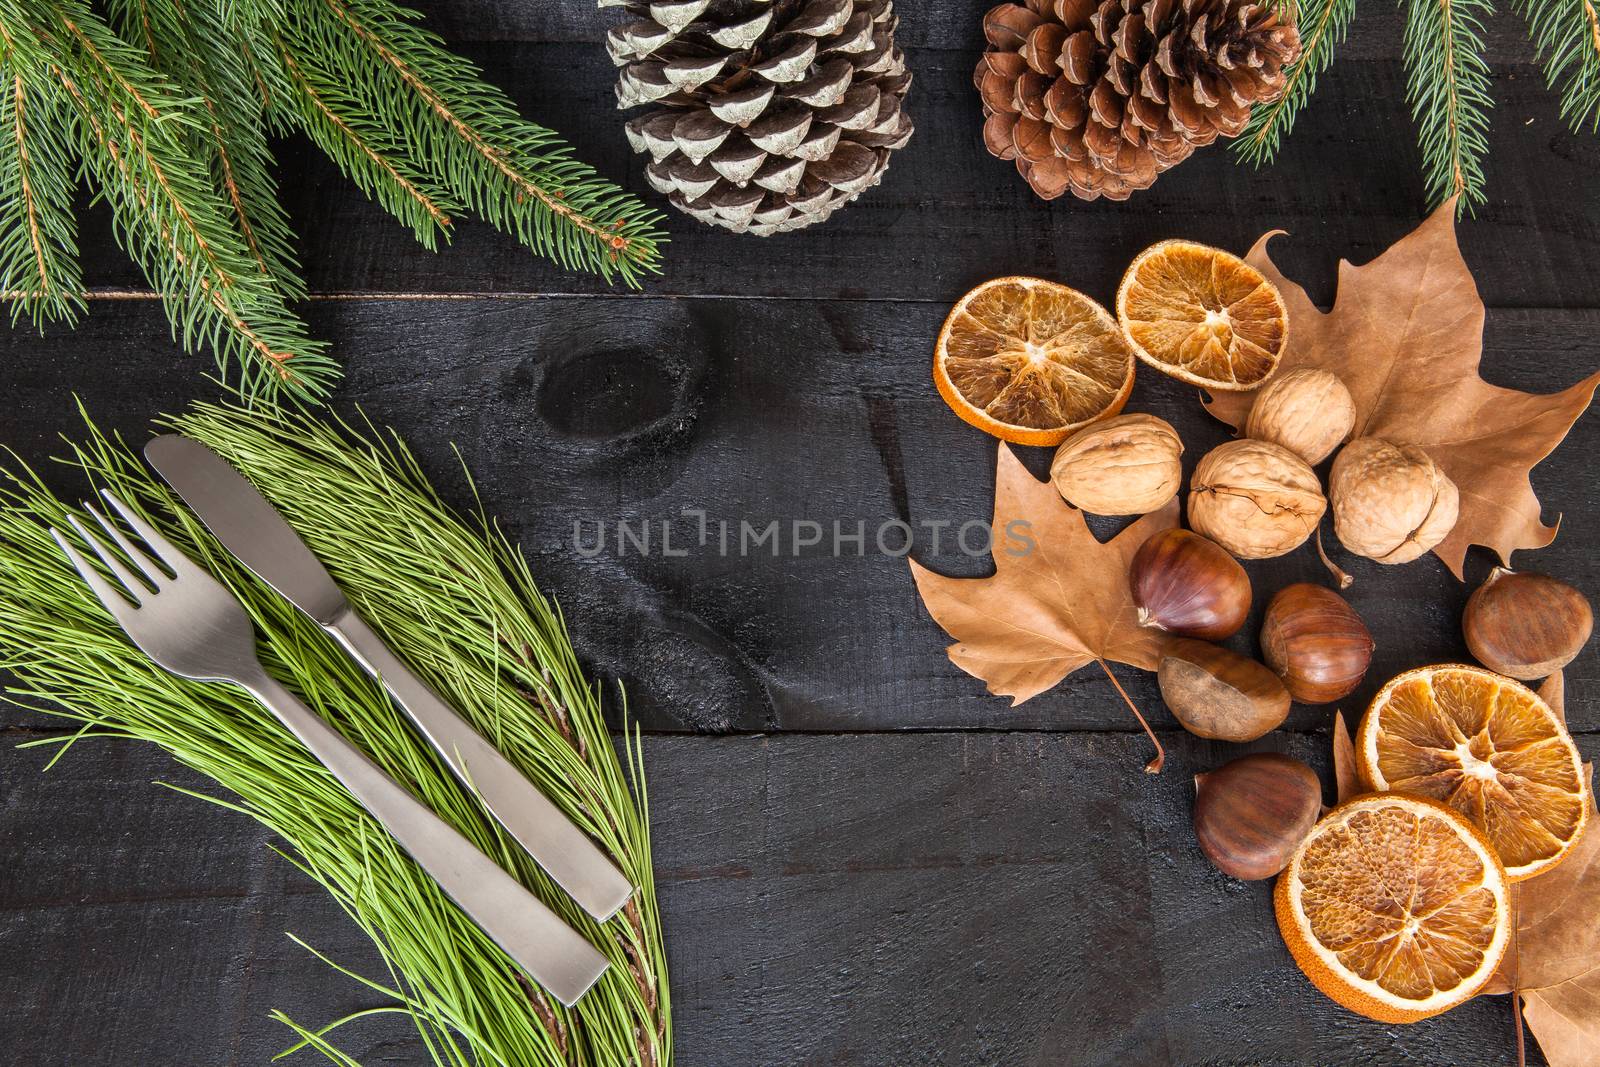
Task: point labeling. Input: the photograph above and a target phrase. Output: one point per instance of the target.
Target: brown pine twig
(644, 981)
(28, 200)
(109, 71)
(554, 1025)
(149, 31)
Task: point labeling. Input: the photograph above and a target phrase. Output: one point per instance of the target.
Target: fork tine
(162, 547)
(136, 555)
(115, 602)
(135, 589)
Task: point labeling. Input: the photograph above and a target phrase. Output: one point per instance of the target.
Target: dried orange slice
(1487, 746)
(1395, 906)
(1203, 315)
(1030, 361)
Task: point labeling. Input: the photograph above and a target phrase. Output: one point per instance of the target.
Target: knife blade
(260, 538)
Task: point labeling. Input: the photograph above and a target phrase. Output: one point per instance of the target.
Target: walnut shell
(1127, 465)
(1391, 502)
(1309, 412)
(1255, 499)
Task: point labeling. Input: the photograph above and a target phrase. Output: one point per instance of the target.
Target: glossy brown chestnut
(1314, 640)
(1218, 693)
(1189, 585)
(1526, 625)
(1251, 814)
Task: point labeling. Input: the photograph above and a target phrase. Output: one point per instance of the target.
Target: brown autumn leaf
(1058, 599)
(1347, 783)
(1554, 962)
(1406, 336)
(1554, 692)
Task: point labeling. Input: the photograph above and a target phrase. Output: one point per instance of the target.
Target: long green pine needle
(457, 601)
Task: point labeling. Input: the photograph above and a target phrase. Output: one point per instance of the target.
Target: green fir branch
(134, 130)
(362, 144)
(39, 268)
(167, 108)
(1447, 86)
(1566, 34)
(252, 25)
(1323, 26)
(191, 44)
(514, 173)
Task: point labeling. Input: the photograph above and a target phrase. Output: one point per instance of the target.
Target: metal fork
(190, 624)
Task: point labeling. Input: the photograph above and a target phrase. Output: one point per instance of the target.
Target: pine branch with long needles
(166, 106)
(454, 599)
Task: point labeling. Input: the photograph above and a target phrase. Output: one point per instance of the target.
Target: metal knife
(254, 531)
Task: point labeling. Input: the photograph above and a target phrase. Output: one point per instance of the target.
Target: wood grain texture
(881, 866)
(593, 412)
(947, 215)
(960, 899)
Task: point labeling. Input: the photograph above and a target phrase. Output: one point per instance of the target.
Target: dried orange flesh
(1395, 907)
(1203, 315)
(1031, 361)
(1491, 749)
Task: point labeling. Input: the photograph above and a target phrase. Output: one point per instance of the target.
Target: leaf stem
(1516, 981)
(1516, 1016)
(1154, 766)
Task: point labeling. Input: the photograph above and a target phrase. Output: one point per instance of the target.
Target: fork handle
(534, 936)
(565, 852)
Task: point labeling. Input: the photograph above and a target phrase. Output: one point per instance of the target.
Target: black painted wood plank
(593, 412)
(924, 24)
(888, 900)
(948, 215)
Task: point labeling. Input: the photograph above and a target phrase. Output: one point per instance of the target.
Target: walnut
(1127, 465)
(1391, 502)
(1255, 499)
(1309, 412)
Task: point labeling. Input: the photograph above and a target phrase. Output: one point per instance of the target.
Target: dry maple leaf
(1554, 964)
(1347, 782)
(1058, 599)
(1406, 336)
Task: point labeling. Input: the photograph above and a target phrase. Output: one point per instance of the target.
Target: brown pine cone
(1100, 96)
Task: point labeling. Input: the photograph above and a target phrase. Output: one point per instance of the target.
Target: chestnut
(1526, 625)
(1252, 813)
(1314, 640)
(1220, 694)
(1189, 585)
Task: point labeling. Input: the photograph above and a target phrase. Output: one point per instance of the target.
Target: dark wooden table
(863, 858)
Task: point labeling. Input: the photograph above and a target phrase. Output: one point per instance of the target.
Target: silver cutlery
(190, 624)
(257, 535)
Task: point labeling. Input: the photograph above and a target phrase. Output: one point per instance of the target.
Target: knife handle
(519, 922)
(564, 851)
